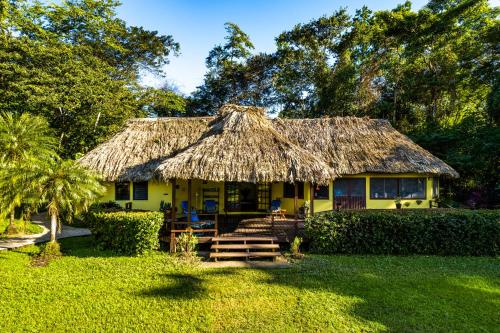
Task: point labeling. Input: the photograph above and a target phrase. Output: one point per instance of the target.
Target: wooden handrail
(193, 230)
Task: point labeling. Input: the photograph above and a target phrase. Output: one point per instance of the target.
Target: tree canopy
(76, 64)
(433, 73)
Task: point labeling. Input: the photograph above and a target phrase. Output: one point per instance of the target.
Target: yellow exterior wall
(158, 191)
(390, 203)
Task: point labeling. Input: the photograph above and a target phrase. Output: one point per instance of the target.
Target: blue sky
(198, 25)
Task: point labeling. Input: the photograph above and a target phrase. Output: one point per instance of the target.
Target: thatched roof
(135, 152)
(354, 145)
(242, 144)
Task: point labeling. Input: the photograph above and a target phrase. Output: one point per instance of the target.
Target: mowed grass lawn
(91, 290)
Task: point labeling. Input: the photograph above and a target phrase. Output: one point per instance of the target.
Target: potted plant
(398, 202)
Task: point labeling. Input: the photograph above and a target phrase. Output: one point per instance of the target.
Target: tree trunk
(53, 227)
(12, 217)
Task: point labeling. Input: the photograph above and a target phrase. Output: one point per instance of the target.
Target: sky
(198, 25)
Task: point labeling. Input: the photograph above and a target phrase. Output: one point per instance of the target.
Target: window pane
(289, 190)
(322, 192)
(412, 188)
(263, 196)
(383, 188)
(341, 187)
(232, 196)
(357, 187)
(141, 191)
(122, 191)
(435, 187)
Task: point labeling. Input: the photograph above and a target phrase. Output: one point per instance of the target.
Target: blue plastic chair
(194, 214)
(210, 206)
(275, 205)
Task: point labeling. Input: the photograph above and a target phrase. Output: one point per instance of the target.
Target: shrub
(126, 232)
(186, 244)
(431, 232)
(295, 248)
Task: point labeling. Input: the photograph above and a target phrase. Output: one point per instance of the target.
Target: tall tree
(234, 75)
(76, 64)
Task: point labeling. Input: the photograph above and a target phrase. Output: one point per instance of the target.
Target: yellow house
(242, 162)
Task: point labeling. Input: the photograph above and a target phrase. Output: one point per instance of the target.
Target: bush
(126, 232)
(186, 244)
(431, 232)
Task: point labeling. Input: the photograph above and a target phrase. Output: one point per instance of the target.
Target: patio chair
(276, 209)
(194, 214)
(210, 206)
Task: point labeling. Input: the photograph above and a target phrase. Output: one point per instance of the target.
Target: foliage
(234, 75)
(295, 247)
(320, 293)
(186, 243)
(50, 250)
(432, 72)
(22, 226)
(163, 102)
(132, 233)
(76, 64)
(24, 141)
(430, 232)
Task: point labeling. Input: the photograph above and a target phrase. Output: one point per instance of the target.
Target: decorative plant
(186, 244)
(418, 202)
(397, 200)
(295, 248)
(407, 204)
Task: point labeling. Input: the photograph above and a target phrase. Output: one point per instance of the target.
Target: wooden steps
(244, 254)
(245, 247)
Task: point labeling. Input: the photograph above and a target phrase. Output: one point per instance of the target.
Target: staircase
(245, 247)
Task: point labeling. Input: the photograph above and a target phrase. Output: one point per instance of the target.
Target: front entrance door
(247, 197)
(350, 193)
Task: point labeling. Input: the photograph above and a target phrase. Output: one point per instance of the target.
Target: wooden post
(173, 217)
(311, 199)
(189, 203)
(295, 208)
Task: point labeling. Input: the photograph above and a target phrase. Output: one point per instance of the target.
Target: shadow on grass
(406, 293)
(184, 286)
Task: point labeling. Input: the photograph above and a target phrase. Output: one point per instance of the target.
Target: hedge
(405, 232)
(126, 232)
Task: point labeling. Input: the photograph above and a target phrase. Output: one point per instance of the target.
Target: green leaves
(437, 232)
(132, 233)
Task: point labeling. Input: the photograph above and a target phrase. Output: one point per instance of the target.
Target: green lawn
(91, 290)
(25, 227)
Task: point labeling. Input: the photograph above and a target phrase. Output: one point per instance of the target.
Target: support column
(173, 218)
(311, 199)
(295, 207)
(189, 203)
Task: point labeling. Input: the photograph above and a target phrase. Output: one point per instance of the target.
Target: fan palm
(24, 140)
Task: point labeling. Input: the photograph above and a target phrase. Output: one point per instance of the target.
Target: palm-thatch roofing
(242, 144)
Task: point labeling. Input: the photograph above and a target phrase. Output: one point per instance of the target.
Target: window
(232, 196)
(435, 187)
(263, 196)
(141, 191)
(122, 191)
(390, 188)
(322, 192)
(289, 190)
(412, 188)
(383, 188)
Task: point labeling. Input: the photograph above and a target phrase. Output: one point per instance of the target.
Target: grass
(91, 290)
(26, 227)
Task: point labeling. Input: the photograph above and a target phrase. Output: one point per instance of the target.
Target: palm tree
(24, 140)
(66, 186)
